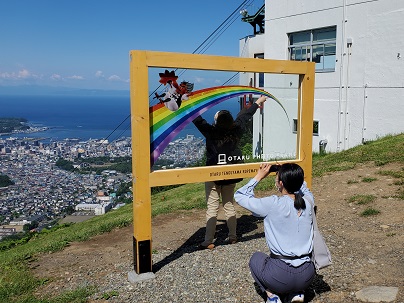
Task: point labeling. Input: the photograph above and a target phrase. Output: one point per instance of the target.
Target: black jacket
(224, 141)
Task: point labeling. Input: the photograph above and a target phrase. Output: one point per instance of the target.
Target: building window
(315, 127)
(260, 75)
(317, 45)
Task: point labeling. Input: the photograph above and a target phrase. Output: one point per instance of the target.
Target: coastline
(32, 129)
(84, 117)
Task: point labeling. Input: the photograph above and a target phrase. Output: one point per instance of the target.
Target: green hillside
(8, 125)
(18, 285)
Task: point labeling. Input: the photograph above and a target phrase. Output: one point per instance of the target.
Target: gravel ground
(220, 275)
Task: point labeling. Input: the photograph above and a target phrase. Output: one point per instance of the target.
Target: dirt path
(366, 250)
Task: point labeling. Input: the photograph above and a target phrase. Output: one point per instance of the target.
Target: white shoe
(273, 299)
(295, 298)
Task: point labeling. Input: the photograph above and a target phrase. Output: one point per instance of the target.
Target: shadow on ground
(317, 287)
(245, 225)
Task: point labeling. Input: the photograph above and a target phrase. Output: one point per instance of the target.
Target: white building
(7, 231)
(98, 208)
(86, 207)
(358, 50)
(20, 222)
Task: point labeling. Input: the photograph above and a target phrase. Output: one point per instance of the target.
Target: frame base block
(142, 256)
(133, 277)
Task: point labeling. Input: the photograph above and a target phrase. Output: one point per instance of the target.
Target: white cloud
(21, 74)
(24, 74)
(114, 78)
(199, 80)
(4, 75)
(56, 77)
(75, 77)
(99, 74)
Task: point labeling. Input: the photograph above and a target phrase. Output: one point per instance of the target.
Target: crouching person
(288, 270)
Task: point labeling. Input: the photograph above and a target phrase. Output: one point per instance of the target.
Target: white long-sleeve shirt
(286, 233)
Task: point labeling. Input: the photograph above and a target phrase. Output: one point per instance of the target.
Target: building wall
(249, 46)
(86, 207)
(363, 98)
(4, 232)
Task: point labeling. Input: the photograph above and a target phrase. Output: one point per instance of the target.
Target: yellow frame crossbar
(144, 178)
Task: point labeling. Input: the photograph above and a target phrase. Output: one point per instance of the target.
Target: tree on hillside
(32, 225)
(8, 125)
(5, 181)
(65, 164)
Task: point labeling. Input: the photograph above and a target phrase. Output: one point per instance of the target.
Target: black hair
(224, 119)
(292, 177)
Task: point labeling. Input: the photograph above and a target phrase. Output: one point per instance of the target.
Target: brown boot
(232, 241)
(210, 246)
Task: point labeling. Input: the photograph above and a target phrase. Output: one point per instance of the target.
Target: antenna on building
(244, 12)
(256, 20)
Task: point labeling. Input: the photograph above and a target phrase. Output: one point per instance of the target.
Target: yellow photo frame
(144, 178)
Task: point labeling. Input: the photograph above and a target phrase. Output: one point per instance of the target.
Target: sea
(83, 117)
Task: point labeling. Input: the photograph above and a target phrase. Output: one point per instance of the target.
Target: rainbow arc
(166, 124)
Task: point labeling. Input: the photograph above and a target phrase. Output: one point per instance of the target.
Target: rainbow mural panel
(166, 124)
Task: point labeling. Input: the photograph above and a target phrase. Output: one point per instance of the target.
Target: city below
(44, 193)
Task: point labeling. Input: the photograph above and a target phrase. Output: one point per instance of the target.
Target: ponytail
(292, 177)
(299, 201)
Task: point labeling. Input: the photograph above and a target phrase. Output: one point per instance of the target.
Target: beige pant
(213, 193)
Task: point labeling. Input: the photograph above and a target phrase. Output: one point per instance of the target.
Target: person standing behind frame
(288, 226)
(222, 146)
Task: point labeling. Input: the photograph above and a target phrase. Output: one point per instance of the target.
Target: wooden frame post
(140, 163)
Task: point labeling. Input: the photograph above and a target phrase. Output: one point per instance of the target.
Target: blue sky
(85, 44)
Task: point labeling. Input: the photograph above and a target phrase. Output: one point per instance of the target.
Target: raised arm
(201, 124)
(246, 114)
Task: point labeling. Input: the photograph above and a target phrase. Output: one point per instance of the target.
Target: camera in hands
(274, 168)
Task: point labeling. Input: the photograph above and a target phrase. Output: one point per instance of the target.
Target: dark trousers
(279, 277)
